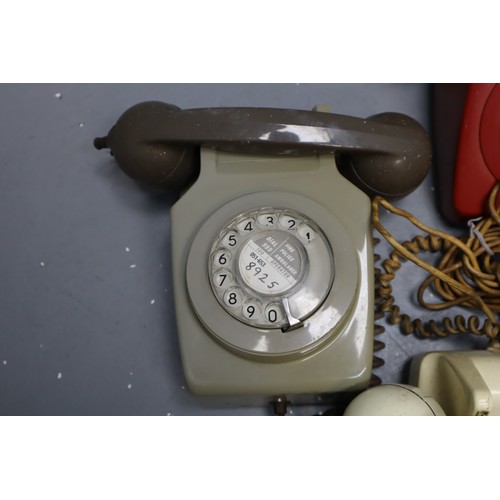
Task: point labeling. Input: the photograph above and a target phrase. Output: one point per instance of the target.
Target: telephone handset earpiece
(157, 143)
(132, 142)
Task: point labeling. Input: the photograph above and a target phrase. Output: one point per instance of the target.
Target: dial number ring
(270, 255)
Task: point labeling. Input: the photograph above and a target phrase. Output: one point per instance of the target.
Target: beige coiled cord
(468, 275)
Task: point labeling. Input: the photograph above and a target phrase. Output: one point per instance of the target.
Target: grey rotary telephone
(271, 238)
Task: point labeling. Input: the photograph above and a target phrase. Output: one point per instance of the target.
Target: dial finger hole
(233, 297)
(252, 309)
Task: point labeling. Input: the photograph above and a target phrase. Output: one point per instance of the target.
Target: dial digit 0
(274, 313)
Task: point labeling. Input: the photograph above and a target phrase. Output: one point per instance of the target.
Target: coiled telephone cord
(378, 329)
(468, 275)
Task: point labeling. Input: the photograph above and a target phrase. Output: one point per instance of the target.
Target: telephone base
(226, 357)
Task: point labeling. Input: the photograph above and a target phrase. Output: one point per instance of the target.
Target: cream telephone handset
(271, 243)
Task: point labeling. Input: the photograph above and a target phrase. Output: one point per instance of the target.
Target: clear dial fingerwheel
(271, 268)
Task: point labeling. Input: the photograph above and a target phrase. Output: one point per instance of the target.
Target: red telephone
(477, 166)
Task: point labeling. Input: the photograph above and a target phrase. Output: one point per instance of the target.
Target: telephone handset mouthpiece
(388, 154)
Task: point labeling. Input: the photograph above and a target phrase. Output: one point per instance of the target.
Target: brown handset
(158, 143)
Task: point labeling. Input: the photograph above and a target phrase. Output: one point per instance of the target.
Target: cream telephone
(271, 238)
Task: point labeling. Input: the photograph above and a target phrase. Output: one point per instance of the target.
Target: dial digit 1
(307, 233)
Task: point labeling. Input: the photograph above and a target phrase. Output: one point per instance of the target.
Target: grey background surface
(87, 323)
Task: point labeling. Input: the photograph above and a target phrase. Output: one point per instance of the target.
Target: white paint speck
(58, 95)
(4, 361)
(169, 414)
(42, 264)
(131, 373)
(127, 249)
(129, 386)
(81, 124)
(132, 266)
(59, 376)
(153, 301)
